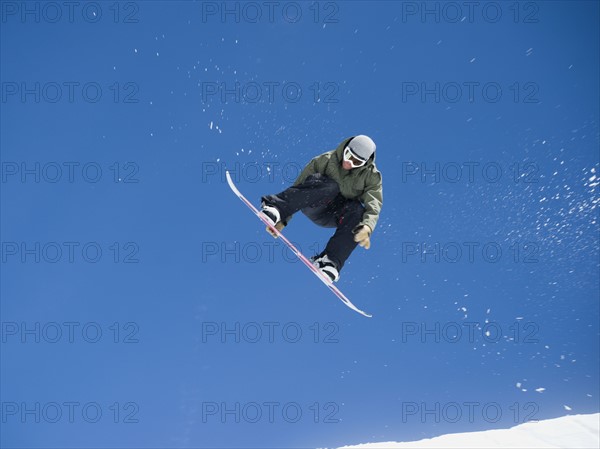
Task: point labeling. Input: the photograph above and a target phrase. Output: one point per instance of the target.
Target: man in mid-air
(339, 189)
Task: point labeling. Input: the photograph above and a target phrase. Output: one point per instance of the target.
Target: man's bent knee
(352, 213)
(355, 209)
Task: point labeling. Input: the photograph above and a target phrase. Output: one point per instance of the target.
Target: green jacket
(363, 183)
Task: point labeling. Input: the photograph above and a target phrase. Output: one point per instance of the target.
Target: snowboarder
(339, 189)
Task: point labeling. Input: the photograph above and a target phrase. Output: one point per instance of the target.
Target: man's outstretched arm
(372, 199)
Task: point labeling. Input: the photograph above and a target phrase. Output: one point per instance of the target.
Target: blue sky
(138, 293)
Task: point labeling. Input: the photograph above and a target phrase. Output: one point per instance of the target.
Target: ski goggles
(350, 156)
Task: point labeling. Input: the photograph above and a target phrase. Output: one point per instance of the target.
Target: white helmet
(363, 146)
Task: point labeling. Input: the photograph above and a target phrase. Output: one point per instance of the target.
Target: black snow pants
(319, 198)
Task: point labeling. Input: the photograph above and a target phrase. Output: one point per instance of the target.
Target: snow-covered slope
(575, 431)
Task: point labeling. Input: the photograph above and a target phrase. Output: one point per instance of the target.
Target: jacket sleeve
(372, 198)
(316, 165)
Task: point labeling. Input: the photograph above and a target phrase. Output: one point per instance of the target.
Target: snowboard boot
(327, 266)
(271, 213)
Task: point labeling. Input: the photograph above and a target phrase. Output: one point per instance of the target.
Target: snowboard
(298, 254)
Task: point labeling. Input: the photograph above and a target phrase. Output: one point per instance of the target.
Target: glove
(362, 235)
(279, 226)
